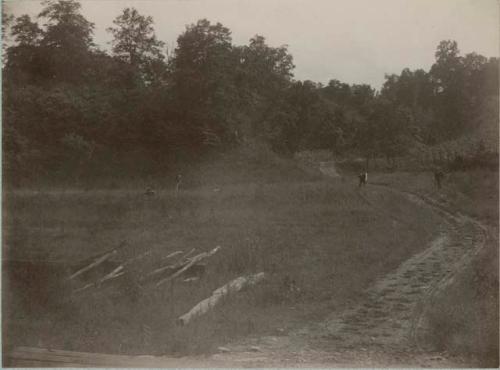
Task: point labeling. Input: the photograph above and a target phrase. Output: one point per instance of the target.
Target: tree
(135, 43)
(339, 92)
(7, 20)
(67, 41)
(66, 28)
(23, 59)
(266, 68)
(448, 75)
(203, 81)
(25, 32)
(264, 75)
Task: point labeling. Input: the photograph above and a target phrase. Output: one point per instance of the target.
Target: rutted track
(387, 327)
(392, 316)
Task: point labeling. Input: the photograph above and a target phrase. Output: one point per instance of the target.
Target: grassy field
(328, 235)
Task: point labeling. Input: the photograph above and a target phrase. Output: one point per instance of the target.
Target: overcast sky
(355, 41)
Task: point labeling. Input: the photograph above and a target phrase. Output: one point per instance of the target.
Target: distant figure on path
(363, 178)
(438, 178)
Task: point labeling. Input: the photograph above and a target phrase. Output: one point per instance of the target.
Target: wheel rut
(387, 327)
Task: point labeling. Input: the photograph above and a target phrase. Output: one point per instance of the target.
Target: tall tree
(135, 43)
(23, 59)
(263, 77)
(450, 103)
(203, 81)
(67, 42)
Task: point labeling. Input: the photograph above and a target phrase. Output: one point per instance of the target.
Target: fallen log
(185, 256)
(97, 260)
(208, 303)
(98, 283)
(173, 254)
(177, 265)
(192, 261)
(196, 270)
(157, 271)
(95, 263)
(112, 274)
(117, 272)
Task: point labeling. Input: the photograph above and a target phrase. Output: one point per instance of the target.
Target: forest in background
(72, 111)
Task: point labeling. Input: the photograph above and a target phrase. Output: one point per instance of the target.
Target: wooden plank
(41, 357)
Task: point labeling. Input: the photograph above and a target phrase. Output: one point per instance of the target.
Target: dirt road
(387, 327)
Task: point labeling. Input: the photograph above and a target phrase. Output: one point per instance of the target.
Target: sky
(354, 41)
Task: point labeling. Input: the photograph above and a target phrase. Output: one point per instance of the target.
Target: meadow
(329, 236)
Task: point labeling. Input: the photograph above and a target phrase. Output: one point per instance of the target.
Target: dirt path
(387, 327)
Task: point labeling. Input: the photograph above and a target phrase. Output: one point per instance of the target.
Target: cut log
(116, 273)
(111, 277)
(155, 273)
(112, 274)
(191, 279)
(85, 287)
(97, 260)
(173, 254)
(191, 262)
(186, 255)
(174, 267)
(196, 270)
(95, 263)
(207, 304)
(159, 271)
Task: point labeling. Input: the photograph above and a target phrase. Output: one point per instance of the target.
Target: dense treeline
(72, 110)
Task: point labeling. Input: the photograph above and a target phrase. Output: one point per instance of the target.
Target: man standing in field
(363, 178)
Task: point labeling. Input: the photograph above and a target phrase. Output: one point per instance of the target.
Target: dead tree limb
(191, 262)
(208, 303)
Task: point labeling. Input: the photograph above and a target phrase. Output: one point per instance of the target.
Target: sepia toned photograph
(250, 183)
